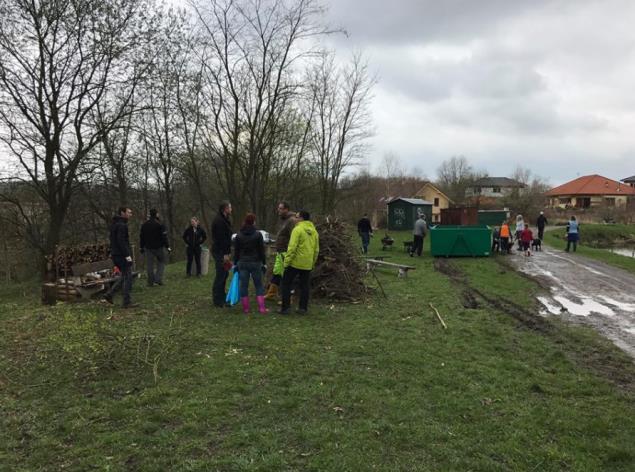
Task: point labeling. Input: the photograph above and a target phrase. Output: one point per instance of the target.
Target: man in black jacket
(194, 236)
(221, 250)
(121, 256)
(541, 223)
(365, 231)
(153, 238)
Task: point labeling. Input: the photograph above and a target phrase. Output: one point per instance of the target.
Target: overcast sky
(549, 85)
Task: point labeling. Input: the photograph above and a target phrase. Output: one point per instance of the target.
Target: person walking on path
(520, 226)
(505, 235)
(365, 231)
(153, 240)
(194, 236)
(121, 257)
(221, 250)
(287, 222)
(526, 237)
(302, 253)
(250, 258)
(573, 234)
(419, 234)
(541, 222)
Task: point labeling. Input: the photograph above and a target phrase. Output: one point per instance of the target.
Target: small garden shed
(403, 212)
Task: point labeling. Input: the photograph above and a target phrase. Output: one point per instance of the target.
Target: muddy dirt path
(584, 291)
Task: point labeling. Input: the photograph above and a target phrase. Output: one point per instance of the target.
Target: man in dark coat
(221, 250)
(365, 231)
(153, 240)
(541, 223)
(121, 256)
(194, 236)
(287, 222)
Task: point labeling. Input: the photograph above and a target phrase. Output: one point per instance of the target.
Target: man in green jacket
(299, 261)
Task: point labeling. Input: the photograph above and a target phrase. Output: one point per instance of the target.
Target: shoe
(272, 292)
(283, 311)
(130, 305)
(301, 311)
(245, 303)
(159, 283)
(108, 298)
(262, 309)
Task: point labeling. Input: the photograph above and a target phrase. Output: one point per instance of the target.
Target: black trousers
(220, 281)
(417, 245)
(541, 232)
(193, 254)
(290, 274)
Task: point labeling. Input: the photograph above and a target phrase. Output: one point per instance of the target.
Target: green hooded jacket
(304, 246)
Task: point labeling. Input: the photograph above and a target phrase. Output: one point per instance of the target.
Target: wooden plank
(81, 269)
(390, 264)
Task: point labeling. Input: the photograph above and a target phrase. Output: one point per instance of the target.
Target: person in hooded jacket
(302, 254)
(541, 222)
(121, 256)
(250, 259)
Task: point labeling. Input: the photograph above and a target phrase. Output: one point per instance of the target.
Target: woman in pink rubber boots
(249, 257)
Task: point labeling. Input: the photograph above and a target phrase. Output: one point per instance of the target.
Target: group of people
(503, 239)
(296, 246)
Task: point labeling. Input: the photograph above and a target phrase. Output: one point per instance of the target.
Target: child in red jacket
(526, 237)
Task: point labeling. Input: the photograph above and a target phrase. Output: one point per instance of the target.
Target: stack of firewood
(66, 257)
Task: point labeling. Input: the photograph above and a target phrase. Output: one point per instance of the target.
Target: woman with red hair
(249, 257)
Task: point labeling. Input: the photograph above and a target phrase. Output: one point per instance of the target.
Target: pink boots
(245, 303)
(261, 304)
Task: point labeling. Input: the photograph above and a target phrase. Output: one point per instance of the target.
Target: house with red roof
(590, 191)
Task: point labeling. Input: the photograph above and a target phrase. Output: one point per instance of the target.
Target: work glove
(129, 259)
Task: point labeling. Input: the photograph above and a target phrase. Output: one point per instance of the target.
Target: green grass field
(375, 385)
(593, 241)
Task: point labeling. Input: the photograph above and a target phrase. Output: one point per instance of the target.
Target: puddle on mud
(585, 308)
(623, 251)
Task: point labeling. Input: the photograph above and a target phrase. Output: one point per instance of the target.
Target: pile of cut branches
(338, 273)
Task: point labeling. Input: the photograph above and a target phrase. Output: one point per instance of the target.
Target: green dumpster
(454, 241)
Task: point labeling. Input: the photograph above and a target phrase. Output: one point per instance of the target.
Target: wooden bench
(87, 288)
(402, 269)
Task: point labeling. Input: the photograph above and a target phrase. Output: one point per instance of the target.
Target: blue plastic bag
(233, 294)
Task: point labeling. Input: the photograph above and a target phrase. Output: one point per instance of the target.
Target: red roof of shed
(592, 185)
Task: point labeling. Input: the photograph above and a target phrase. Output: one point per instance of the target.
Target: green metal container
(457, 241)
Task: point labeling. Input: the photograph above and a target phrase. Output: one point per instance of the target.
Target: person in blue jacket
(573, 233)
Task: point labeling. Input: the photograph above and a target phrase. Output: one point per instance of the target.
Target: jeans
(125, 281)
(290, 273)
(193, 253)
(220, 281)
(572, 238)
(155, 277)
(253, 269)
(417, 245)
(365, 241)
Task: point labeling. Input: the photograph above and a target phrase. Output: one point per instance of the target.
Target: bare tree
(455, 175)
(341, 122)
(58, 60)
(252, 48)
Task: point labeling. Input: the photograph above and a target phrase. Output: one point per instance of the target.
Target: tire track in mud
(595, 357)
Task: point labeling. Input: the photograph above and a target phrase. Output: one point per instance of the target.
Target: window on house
(609, 201)
(496, 190)
(436, 202)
